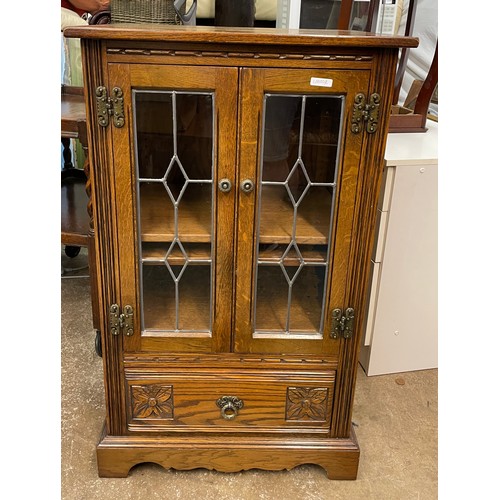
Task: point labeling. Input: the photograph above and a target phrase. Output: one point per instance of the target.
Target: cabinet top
(265, 36)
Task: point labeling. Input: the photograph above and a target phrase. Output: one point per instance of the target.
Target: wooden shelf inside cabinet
(312, 254)
(158, 253)
(157, 215)
(313, 217)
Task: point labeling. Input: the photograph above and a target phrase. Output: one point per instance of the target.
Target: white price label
(321, 82)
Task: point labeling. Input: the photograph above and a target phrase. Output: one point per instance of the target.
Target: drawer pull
(229, 406)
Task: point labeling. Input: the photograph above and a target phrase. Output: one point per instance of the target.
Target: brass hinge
(342, 324)
(365, 112)
(123, 321)
(110, 106)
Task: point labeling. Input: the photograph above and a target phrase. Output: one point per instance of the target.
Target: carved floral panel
(152, 401)
(307, 403)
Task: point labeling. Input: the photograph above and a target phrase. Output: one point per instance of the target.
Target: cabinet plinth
(233, 206)
(116, 455)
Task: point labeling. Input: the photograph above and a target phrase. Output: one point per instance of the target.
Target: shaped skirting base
(116, 455)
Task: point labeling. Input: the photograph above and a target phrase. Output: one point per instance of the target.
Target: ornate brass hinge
(123, 321)
(110, 106)
(366, 113)
(342, 324)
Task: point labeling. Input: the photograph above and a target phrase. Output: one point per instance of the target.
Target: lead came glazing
(298, 184)
(174, 161)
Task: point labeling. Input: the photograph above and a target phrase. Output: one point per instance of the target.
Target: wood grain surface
(162, 383)
(239, 36)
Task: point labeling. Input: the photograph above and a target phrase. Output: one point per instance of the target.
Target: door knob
(225, 185)
(247, 186)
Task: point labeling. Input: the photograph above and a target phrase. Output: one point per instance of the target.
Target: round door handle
(229, 406)
(225, 185)
(247, 186)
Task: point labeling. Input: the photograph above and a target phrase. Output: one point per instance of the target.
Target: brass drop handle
(225, 185)
(229, 406)
(247, 186)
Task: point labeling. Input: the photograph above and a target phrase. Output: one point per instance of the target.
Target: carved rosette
(307, 403)
(152, 401)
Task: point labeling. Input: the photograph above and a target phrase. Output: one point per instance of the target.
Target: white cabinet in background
(402, 321)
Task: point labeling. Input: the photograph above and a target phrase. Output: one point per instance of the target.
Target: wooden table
(75, 219)
(76, 209)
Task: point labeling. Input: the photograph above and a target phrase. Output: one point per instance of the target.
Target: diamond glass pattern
(174, 172)
(298, 171)
(176, 244)
(290, 271)
(174, 152)
(301, 183)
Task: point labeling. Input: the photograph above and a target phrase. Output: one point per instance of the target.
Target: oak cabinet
(234, 175)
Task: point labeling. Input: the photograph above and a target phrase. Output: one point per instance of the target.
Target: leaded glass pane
(174, 161)
(296, 203)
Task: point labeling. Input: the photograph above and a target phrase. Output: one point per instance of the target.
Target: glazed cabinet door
(299, 162)
(174, 167)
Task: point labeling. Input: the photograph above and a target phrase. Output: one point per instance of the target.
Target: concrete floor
(395, 417)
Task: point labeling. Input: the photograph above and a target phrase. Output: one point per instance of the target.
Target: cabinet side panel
(106, 244)
(369, 180)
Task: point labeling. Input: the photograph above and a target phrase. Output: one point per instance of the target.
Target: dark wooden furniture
(228, 13)
(235, 175)
(74, 215)
(405, 52)
(100, 17)
(402, 118)
(76, 208)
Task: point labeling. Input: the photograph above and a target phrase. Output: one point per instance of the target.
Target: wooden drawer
(222, 401)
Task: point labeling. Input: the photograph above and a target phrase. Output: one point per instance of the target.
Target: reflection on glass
(317, 13)
(325, 14)
(174, 161)
(297, 194)
(359, 16)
